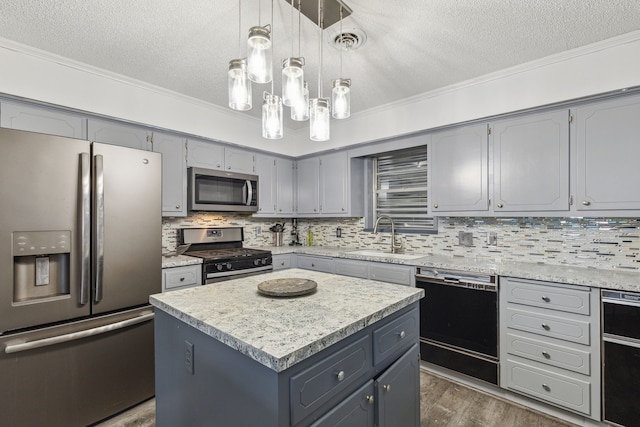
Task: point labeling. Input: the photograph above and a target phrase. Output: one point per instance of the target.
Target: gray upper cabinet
(531, 163)
(458, 168)
(608, 148)
(42, 120)
(209, 155)
(266, 171)
(276, 186)
(330, 185)
(285, 186)
(308, 191)
(174, 173)
(115, 133)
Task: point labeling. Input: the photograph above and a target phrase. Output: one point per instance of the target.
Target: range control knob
(256, 261)
(219, 267)
(228, 266)
(264, 261)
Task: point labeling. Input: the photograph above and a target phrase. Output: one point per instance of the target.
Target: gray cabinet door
(608, 149)
(356, 410)
(459, 170)
(239, 161)
(119, 134)
(531, 163)
(285, 180)
(334, 180)
(266, 171)
(308, 177)
(398, 392)
(174, 173)
(202, 154)
(42, 120)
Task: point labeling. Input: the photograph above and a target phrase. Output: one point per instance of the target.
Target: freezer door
(127, 227)
(42, 209)
(78, 373)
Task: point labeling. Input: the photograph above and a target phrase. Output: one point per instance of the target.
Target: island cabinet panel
(202, 381)
(314, 386)
(356, 410)
(398, 392)
(392, 338)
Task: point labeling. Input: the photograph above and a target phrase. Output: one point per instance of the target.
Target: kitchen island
(227, 355)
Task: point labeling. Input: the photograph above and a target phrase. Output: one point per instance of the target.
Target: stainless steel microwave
(220, 191)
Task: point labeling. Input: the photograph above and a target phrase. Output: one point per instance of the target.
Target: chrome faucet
(394, 246)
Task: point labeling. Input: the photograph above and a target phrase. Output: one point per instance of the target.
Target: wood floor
(442, 402)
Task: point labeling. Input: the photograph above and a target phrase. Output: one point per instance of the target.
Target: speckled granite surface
(280, 332)
(179, 261)
(595, 277)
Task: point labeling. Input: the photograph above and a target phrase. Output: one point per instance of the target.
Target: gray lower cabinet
(316, 263)
(550, 343)
(201, 381)
(283, 261)
(174, 278)
(383, 272)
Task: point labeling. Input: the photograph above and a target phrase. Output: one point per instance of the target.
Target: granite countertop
(628, 280)
(179, 261)
(280, 332)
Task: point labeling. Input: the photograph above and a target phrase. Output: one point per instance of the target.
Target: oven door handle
(470, 284)
(616, 339)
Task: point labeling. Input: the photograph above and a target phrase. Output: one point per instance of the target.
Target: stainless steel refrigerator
(80, 253)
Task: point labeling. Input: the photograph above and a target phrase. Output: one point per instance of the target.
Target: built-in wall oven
(621, 357)
(459, 322)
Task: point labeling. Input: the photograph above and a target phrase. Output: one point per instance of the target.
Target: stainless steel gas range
(223, 257)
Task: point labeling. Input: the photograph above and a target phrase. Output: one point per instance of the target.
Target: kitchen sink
(383, 254)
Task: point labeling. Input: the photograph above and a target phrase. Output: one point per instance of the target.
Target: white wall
(602, 67)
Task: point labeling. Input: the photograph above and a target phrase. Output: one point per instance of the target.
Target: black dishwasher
(621, 357)
(459, 322)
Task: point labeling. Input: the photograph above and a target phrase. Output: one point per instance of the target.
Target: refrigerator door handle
(85, 227)
(98, 169)
(58, 339)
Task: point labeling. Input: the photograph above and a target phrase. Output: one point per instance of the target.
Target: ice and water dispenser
(40, 264)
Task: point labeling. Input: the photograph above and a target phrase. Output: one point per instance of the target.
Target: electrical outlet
(258, 230)
(492, 238)
(188, 357)
(465, 238)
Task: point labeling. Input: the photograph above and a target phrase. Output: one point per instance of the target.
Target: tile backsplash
(588, 242)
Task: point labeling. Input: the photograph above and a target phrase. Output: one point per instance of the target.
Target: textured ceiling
(412, 46)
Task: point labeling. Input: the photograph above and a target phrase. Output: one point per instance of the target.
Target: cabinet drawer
(541, 323)
(182, 277)
(281, 262)
(352, 268)
(551, 354)
(395, 336)
(547, 296)
(402, 275)
(315, 385)
(316, 263)
(561, 390)
(355, 410)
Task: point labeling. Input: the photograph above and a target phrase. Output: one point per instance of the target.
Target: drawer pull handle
(586, 202)
(340, 375)
(402, 334)
(546, 299)
(387, 387)
(546, 387)
(546, 355)
(545, 327)
(369, 399)
(182, 279)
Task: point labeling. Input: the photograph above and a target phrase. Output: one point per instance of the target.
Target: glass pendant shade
(259, 54)
(240, 96)
(300, 112)
(319, 117)
(272, 124)
(341, 98)
(292, 81)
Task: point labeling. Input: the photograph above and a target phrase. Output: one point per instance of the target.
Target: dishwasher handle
(58, 339)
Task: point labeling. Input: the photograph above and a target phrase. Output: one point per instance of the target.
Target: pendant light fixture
(240, 95)
(341, 92)
(300, 111)
(272, 120)
(292, 74)
(319, 111)
(260, 52)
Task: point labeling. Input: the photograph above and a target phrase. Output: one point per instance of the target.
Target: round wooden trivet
(290, 287)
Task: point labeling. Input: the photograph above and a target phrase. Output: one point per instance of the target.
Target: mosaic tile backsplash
(610, 243)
